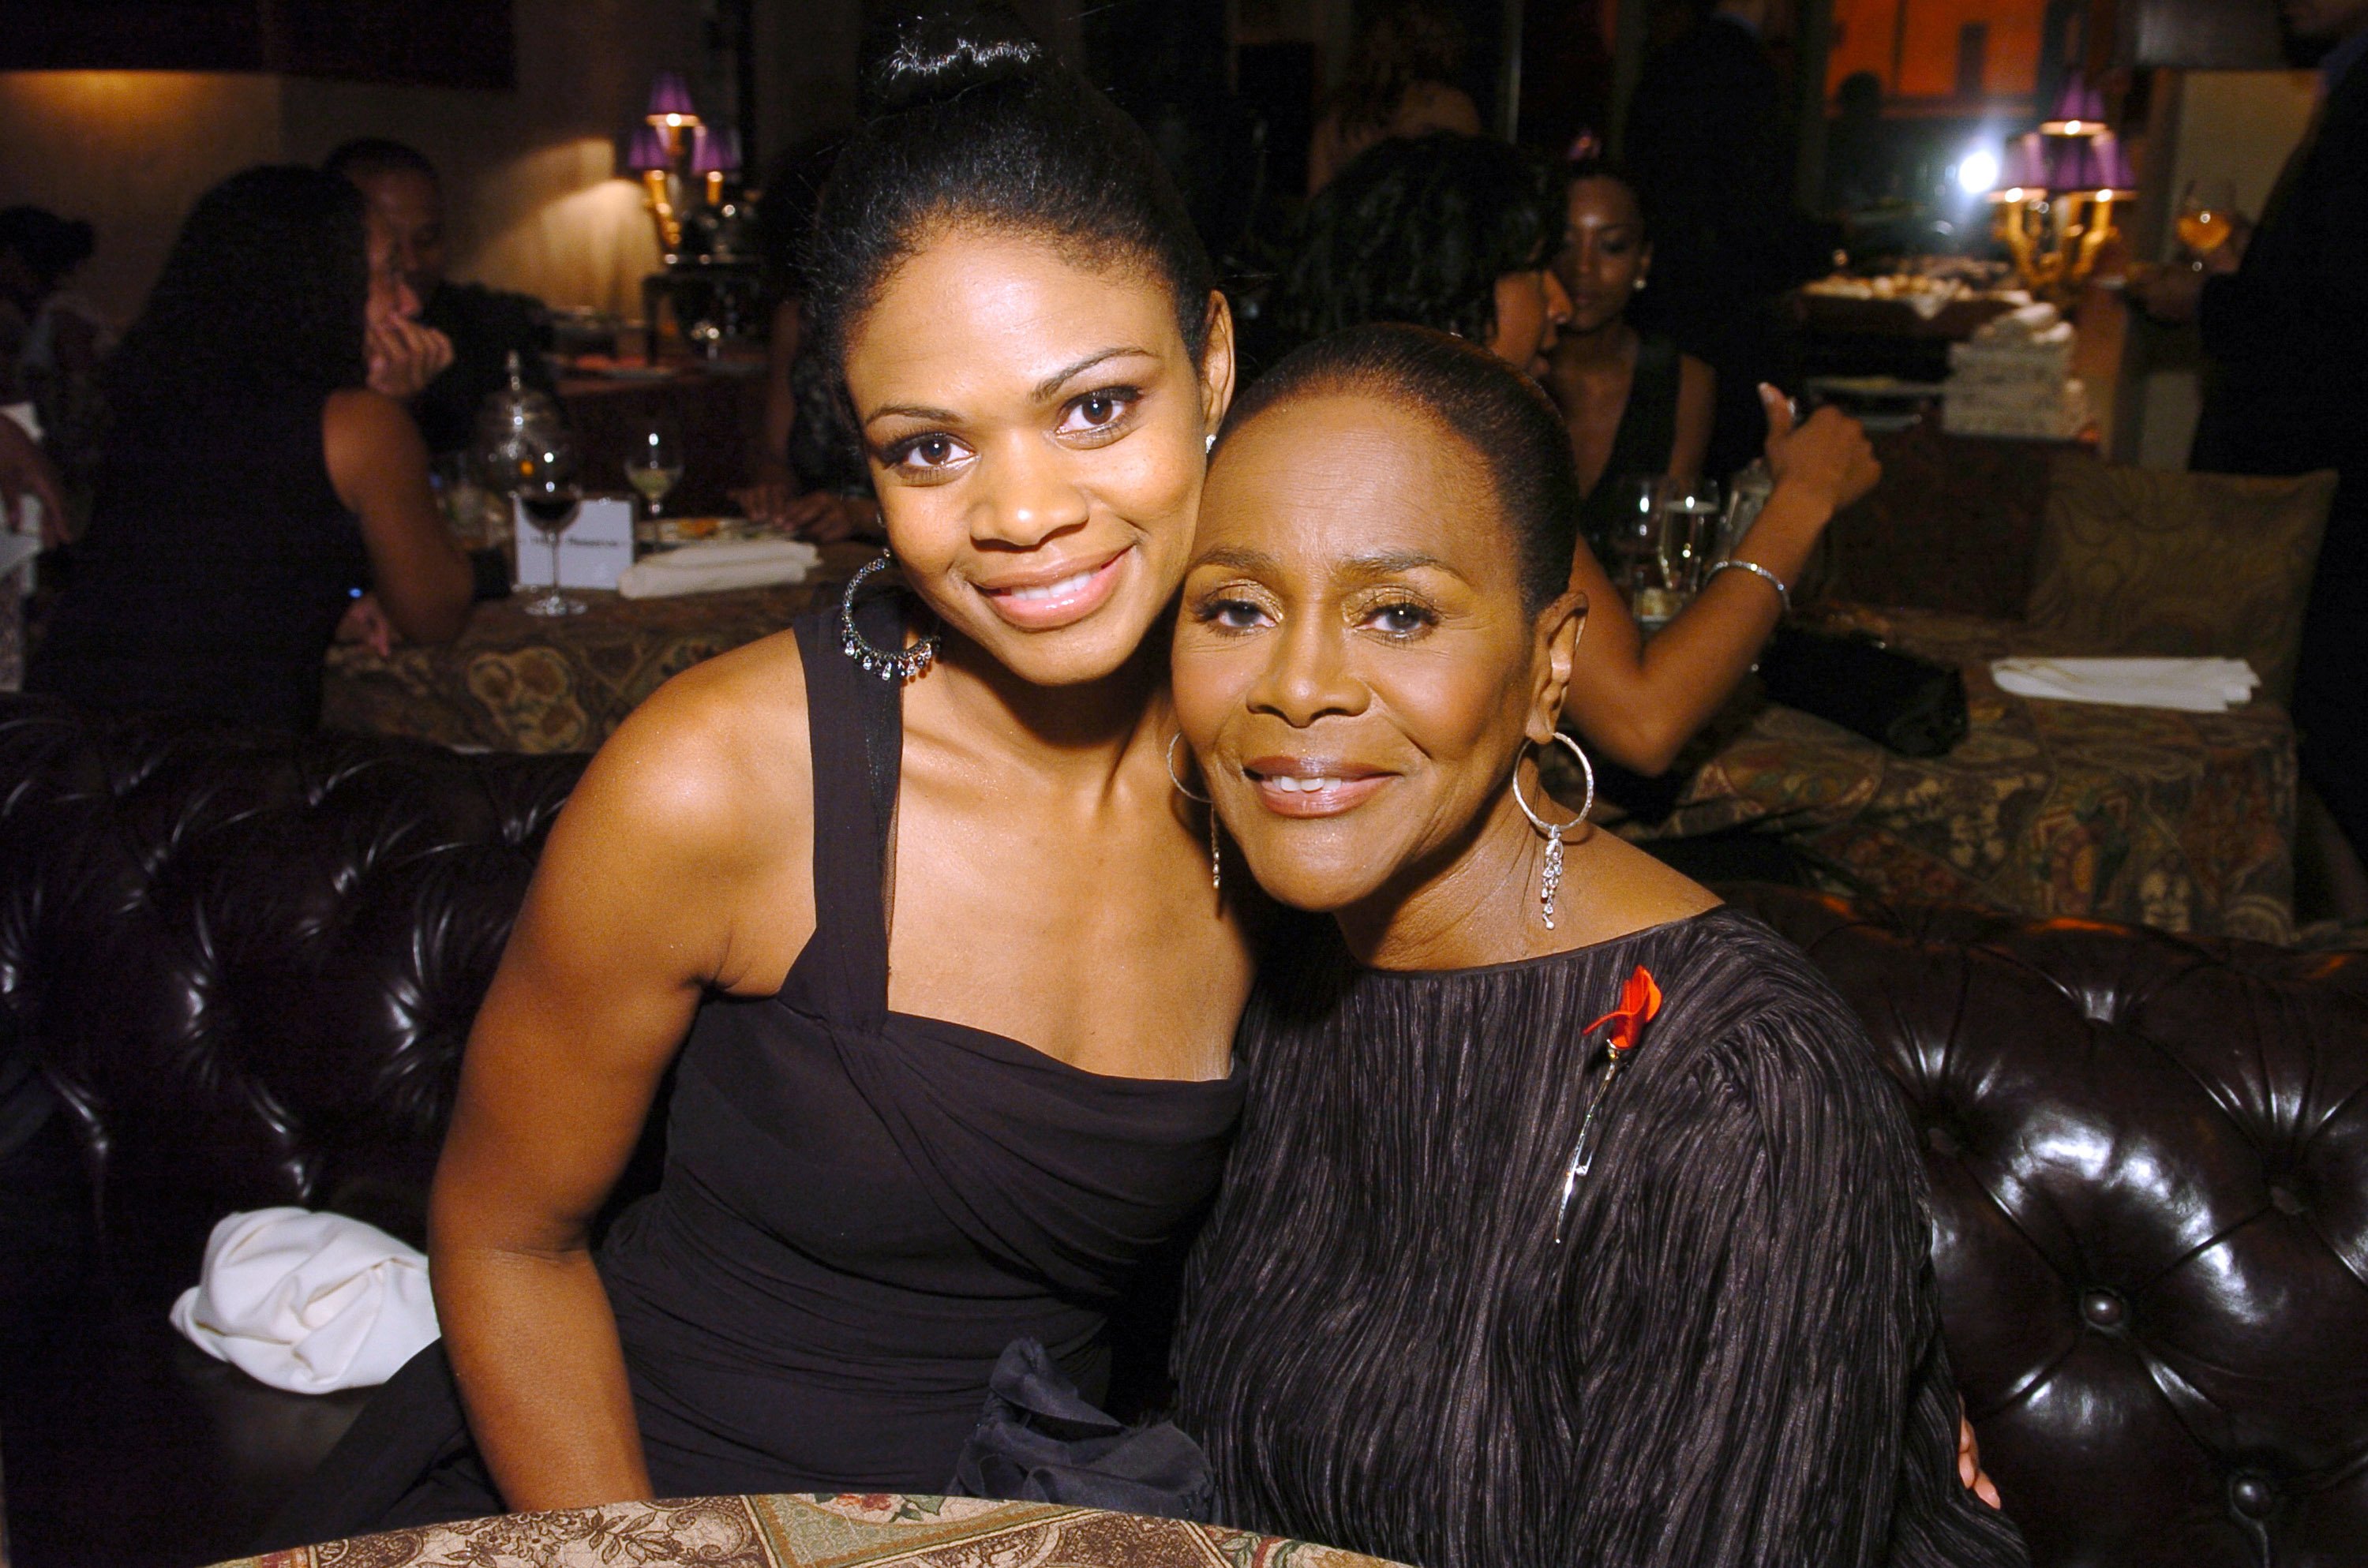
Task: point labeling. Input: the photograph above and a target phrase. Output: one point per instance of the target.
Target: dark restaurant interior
(606, 604)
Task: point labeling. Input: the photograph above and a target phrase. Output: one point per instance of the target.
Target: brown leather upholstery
(249, 964)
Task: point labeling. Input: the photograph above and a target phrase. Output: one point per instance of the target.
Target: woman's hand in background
(1827, 455)
(404, 357)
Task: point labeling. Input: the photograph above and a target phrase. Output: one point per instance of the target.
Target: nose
(406, 297)
(1558, 310)
(1030, 498)
(1308, 676)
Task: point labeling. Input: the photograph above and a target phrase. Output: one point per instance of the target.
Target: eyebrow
(1042, 390)
(1390, 564)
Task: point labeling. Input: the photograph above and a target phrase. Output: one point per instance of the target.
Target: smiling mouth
(1049, 603)
(1296, 788)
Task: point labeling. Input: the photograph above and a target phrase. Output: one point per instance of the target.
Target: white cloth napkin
(718, 565)
(308, 1302)
(2191, 686)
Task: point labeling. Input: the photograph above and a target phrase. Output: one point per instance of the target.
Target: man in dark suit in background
(1709, 144)
(485, 325)
(2285, 317)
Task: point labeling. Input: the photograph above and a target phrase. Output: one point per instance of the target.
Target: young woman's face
(1531, 307)
(1353, 666)
(1035, 429)
(1604, 255)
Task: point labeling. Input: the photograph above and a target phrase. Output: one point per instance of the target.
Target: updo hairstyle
(1419, 231)
(969, 120)
(1499, 415)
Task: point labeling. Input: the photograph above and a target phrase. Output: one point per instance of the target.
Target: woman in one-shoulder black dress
(860, 1208)
(833, 879)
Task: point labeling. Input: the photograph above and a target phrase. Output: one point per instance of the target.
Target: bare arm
(378, 465)
(1640, 702)
(629, 919)
(25, 471)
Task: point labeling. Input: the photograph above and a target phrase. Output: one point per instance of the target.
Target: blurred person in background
(1709, 146)
(1635, 404)
(1401, 83)
(1459, 235)
(2284, 311)
(458, 350)
(53, 341)
(256, 478)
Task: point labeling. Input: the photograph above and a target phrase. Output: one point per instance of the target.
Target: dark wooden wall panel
(444, 43)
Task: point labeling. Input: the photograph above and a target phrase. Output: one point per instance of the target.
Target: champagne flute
(547, 493)
(654, 464)
(1689, 522)
(2207, 216)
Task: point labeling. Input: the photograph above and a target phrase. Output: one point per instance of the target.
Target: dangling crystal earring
(1549, 832)
(1216, 867)
(898, 667)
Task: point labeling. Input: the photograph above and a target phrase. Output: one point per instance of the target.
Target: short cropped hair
(1496, 412)
(376, 156)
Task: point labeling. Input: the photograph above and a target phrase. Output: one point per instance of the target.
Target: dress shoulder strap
(855, 727)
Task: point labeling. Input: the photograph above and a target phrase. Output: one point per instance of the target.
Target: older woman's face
(1035, 432)
(1353, 666)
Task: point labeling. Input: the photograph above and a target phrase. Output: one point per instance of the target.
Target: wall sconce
(2056, 193)
(649, 156)
(671, 106)
(715, 152)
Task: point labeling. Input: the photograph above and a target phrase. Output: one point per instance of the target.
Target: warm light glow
(2071, 128)
(673, 121)
(1978, 172)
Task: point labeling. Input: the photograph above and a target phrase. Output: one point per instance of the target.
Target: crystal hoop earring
(1216, 867)
(900, 667)
(1208, 443)
(1551, 834)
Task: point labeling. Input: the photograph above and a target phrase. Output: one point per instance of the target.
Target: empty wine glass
(654, 464)
(549, 495)
(1631, 543)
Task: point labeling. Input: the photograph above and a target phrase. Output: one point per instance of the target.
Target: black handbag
(1913, 706)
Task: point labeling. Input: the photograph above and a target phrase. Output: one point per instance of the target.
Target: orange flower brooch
(1640, 1000)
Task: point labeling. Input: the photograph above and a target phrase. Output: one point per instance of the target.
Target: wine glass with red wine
(549, 496)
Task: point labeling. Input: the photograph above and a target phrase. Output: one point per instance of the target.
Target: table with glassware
(803, 1530)
(2176, 820)
(512, 681)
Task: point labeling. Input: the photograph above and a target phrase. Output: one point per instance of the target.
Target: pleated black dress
(861, 1210)
(1735, 1356)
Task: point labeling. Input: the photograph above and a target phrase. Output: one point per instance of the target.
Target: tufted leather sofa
(248, 963)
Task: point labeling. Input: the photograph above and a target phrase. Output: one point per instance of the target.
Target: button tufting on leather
(2283, 1200)
(1942, 1142)
(2252, 1496)
(2103, 1309)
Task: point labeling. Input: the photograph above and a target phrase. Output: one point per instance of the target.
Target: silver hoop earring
(1216, 866)
(1551, 834)
(899, 668)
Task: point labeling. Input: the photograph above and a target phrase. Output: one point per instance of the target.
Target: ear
(1217, 363)
(1556, 652)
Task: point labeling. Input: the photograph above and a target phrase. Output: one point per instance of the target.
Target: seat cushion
(2133, 562)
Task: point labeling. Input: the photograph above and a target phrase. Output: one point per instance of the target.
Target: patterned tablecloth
(2179, 820)
(800, 1531)
(516, 682)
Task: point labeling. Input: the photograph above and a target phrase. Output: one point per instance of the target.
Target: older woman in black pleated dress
(1572, 1219)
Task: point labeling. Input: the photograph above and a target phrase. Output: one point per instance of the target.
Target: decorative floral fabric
(800, 1531)
(2179, 820)
(2136, 561)
(516, 682)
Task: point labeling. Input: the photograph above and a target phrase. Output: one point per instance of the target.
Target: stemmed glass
(1690, 520)
(549, 495)
(654, 465)
(2207, 216)
(1631, 543)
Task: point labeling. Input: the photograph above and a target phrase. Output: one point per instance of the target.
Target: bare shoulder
(1695, 377)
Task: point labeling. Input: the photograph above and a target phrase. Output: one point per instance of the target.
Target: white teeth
(1302, 786)
(1069, 584)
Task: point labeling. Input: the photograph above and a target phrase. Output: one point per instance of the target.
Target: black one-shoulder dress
(859, 1211)
(1733, 1356)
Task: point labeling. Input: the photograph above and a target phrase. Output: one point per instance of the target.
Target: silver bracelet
(1783, 595)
